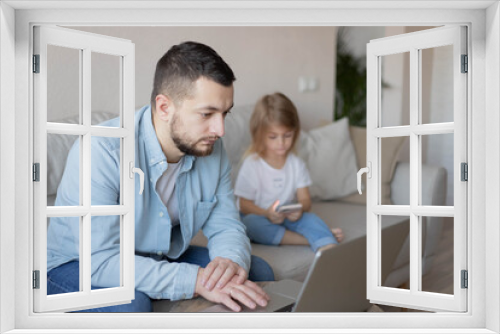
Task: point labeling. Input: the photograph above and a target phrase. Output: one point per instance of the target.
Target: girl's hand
(294, 216)
(273, 216)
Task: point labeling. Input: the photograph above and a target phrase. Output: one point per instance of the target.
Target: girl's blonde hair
(272, 109)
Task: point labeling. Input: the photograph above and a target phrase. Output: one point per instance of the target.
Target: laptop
(326, 288)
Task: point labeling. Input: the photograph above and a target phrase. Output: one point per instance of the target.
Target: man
(187, 188)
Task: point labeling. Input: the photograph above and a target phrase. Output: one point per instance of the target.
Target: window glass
(106, 88)
(63, 85)
(437, 84)
(394, 88)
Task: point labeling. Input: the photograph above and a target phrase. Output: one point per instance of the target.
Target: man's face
(199, 121)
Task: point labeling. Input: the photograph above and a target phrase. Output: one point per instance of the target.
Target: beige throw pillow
(390, 149)
(331, 160)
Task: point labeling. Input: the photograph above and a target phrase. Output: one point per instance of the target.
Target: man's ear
(165, 107)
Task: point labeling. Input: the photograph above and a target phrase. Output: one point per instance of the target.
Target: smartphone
(289, 208)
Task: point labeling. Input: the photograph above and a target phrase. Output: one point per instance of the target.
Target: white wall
(358, 37)
(264, 59)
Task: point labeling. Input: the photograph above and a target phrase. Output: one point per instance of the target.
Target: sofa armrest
(433, 187)
(433, 193)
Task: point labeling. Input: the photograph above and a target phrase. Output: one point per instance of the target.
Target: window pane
(70, 273)
(58, 148)
(395, 89)
(438, 268)
(437, 84)
(437, 185)
(106, 88)
(106, 238)
(395, 256)
(106, 171)
(398, 192)
(63, 85)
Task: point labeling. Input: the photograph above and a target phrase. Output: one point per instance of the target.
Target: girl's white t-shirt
(259, 182)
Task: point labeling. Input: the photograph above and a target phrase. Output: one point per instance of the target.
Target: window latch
(136, 170)
(368, 171)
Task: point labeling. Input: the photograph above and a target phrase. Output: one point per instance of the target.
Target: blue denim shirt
(206, 202)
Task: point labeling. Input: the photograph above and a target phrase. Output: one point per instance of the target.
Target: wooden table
(188, 305)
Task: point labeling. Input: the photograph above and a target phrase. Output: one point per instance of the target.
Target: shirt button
(159, 253)
(161, 214)
(183, 296)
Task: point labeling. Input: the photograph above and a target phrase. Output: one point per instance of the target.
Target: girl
(272, 174)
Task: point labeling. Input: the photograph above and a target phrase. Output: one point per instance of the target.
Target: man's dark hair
(185, 63)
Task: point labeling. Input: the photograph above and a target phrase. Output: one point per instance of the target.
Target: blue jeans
(65, 278)
(261, 230)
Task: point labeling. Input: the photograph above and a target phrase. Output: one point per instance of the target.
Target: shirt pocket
(203, 211)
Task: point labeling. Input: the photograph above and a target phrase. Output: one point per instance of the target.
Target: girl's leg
(317, 233)
(293, 238)
(262, 231)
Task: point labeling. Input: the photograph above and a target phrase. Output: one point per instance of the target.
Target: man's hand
(273, 216)
(247, 293)
(220, 271)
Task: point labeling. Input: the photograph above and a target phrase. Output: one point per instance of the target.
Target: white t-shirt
(259, 182)
(165, 187)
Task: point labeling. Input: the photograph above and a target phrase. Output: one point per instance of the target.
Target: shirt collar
(154, 151)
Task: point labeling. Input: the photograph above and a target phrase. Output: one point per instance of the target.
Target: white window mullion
(420, 210)
(434, 129)
(128, 157)
(86, 165)
(394, 131)
(415, 172)
(373, 183)
(392, 210)
(79, 130)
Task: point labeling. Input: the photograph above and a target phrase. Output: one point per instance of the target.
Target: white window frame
(86, 43)
(413, 44)
(483, 122)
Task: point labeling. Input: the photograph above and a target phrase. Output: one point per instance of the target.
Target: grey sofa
(292, 262)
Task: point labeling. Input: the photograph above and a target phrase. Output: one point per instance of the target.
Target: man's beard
(184, 145)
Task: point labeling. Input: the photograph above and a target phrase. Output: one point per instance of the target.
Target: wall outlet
(308, 84)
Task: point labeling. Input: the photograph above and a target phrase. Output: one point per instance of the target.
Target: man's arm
(226, 234)
(158, 279)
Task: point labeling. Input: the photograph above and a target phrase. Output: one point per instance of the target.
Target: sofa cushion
(58, 147)
(292, 262)
(327, 151)
(331, 160)
(390, 152)
(237, 138)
